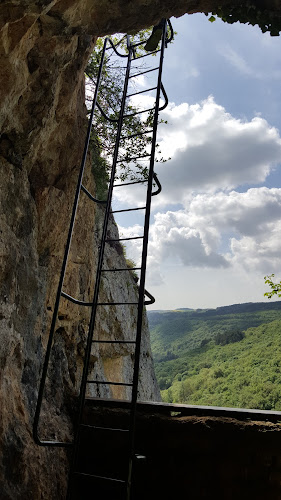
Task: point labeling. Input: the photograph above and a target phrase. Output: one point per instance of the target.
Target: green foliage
(275, 287)
(131, 264)
(181, 331)
(164, 383)
(229, 356)
(204, 342)
(228, 337)
(249, 13)
(246, 374)
(99, 168)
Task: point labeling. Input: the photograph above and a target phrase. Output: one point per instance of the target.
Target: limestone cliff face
(44, 47)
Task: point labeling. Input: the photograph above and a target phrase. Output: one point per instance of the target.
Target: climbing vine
(248, 13)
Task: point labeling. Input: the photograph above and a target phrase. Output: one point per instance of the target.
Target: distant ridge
(248, 307)
(235, 308)
(185, 309)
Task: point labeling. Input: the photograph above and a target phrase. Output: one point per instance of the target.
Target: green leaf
(212, 19)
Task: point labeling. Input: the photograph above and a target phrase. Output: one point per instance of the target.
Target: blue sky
(215, 228)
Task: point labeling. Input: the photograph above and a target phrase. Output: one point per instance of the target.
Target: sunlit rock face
(44, 48)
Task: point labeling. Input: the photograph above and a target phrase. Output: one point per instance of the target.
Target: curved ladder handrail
(158, 185)
(107, 39)
(113, 120)
(165, 97)
(85, 190)
(89, 304)
(170, 38)
(152, 299)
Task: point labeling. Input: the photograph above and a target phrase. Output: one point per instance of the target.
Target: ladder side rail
(63, 269)
(83, 384)
(170, 38)
(143, 268)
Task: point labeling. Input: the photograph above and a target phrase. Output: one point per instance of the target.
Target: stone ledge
(198, 456)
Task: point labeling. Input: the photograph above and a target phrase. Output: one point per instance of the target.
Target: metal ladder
(123, 484)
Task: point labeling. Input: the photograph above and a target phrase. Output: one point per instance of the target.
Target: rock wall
(44, 47)
(43, 124)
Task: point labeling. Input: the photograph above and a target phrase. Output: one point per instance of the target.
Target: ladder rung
(126, 239)
(127, 210)
(114, 341)
(117, 303)
(143, 72)
(75, 301)
(136, 135)
(103, 428)
(94, 476)
(141, 92)
(91, 196)
(107, 382)
(122, 269)
(130, 183)
(146, 55)
(126, 160)
(143, 42)
(138, 112)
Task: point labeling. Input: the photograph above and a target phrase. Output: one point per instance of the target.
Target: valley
(229, 356)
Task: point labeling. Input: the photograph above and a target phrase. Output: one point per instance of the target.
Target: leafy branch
(249, 13)
(136, 139)
(275, 287)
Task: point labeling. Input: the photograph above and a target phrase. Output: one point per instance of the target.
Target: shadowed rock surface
(188, 455)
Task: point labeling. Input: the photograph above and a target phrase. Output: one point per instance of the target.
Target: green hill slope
(223, 357)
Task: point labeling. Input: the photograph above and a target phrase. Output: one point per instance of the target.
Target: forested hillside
(229, 356)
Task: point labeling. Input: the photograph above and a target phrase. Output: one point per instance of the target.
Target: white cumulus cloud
(210, 150)
(215, 231)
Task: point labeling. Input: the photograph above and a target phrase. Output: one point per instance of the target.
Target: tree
(104, 131)
(229, 337)
(185, 391)
(275, 287)
(170, 397)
